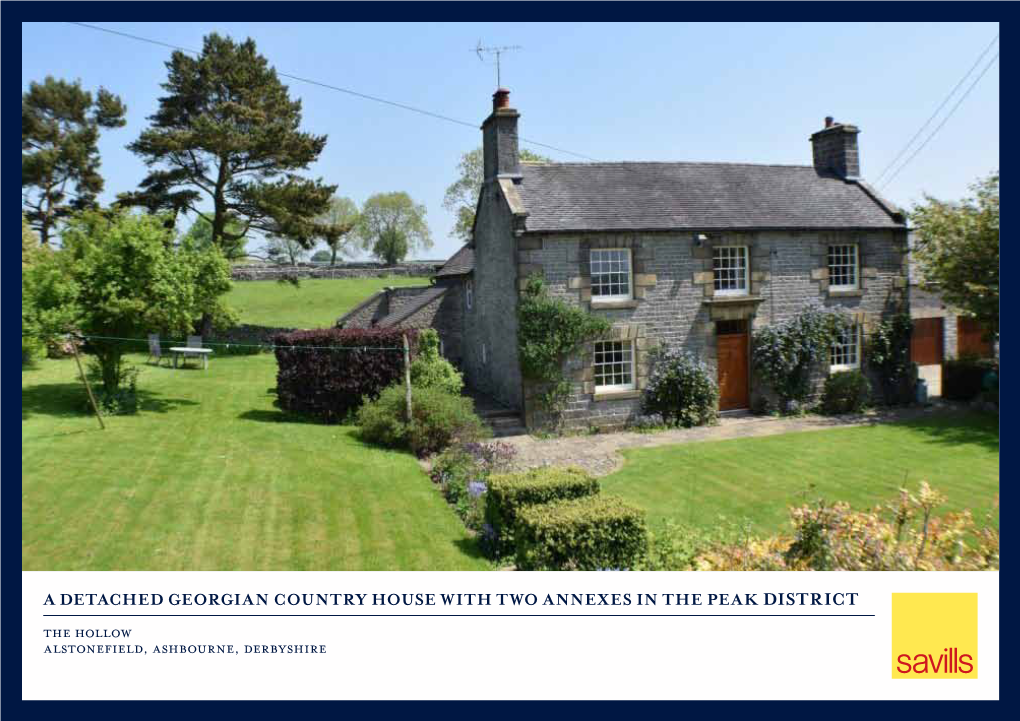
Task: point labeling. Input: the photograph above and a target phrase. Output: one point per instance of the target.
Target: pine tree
(227, 135)
(60, 123)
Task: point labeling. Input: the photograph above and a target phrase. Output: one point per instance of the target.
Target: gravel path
(600, 454)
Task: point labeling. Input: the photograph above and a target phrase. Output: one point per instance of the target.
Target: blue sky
(707, 92)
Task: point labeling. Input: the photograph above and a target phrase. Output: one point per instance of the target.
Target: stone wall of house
(449, 320)
(424, 317)
(379, 305)
(366, 313)
(445, 314)
(674, 300)
(489, 352)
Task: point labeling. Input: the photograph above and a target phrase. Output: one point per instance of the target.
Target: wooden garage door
(970, 338)
(731, 347)
(926, 341)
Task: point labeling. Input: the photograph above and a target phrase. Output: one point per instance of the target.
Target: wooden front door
(926, 341)
(970, 338)
(731, 345)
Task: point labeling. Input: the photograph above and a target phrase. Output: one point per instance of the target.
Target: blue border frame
(421, 11)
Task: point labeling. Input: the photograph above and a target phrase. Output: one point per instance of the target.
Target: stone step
(504, 431)
(497, 413)
(504, 421)
(505, 425)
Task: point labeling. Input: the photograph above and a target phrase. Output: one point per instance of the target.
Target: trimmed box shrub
(438, 420)
(963, 379)
(845, 392)
(327, 373)
(508, 493)
(584, 534)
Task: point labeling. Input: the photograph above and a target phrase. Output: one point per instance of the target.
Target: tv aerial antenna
(496, 52)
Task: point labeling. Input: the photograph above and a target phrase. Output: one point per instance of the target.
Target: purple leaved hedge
(326, 373)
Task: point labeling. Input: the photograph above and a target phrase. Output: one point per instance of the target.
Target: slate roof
(460, 263)
(411, 307)
(694, 196)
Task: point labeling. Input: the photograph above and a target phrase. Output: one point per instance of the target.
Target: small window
(469, 294)
(442, 348)
(485, 355)
(614, 366)
(729, 269)
(610, 274)
(842, 267)
(846, 351)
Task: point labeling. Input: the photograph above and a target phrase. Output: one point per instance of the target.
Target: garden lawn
(755, 480)
(210, 476)
(316, 303)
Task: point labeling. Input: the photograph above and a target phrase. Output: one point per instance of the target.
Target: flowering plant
(681, 389)
(462, 473)
(905, 535)
(785, 353)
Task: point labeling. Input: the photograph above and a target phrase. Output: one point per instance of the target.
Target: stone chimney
(499, 138)
(835, 150)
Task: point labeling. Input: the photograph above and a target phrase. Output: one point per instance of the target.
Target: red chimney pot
(501, 99)
(828, 121)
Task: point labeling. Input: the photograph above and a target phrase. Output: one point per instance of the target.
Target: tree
(335, 225)
(29, 243)
(119, 276)
(957, 249)
(284, 249)
(226, 133)
(462, 196)
(60, 123)
(391, 246)
(200, 234)
(391, 226)
(322, 256)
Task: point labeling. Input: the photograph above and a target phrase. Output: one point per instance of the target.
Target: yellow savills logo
(934, 635)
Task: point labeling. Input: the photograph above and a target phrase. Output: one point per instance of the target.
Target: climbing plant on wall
(549, 331)
(889, 353)
(785, 353)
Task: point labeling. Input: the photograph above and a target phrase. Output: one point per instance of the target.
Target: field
(755, 480)
(316, 303)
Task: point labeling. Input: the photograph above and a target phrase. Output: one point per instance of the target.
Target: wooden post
(85, 380)
(407, 375)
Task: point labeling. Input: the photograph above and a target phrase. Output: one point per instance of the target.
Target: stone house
(695, 255)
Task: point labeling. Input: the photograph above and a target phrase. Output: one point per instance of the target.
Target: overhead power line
(946, 100)
(942, 124)
(339, 89)
(938, 109)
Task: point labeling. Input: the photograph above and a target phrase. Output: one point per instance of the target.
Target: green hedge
(509, 493)
(845, 392)
(962, 380)
(584, 534)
